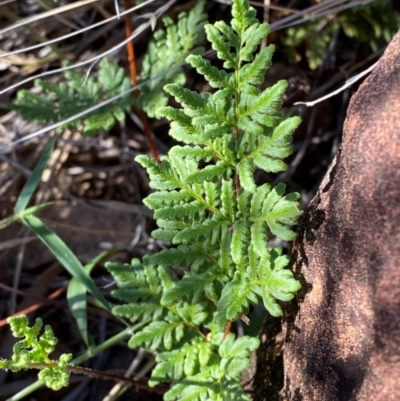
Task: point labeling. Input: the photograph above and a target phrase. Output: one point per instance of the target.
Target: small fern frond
(165, 54)
(33, 350)
(58, 101)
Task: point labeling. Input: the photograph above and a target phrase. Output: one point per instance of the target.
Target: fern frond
(276, 283)
(209, 203)
(245, 171)
(166, 53)
(58, 101)
(275, 147)
(141, 286)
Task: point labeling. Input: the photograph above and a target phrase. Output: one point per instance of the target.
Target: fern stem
(187, 324)
(219, 154)
(213, 259)
(202, 201)
(97, 374)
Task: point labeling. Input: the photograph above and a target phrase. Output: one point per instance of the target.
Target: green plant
(372, 24)
(53, 102)
(33, 352)
(166, 53)
(208, 204)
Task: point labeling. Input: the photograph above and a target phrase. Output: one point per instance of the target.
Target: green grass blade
(65, 257)
(33, 181)
(77, 299)
(15, 217)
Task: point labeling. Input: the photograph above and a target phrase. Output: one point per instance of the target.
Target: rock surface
(343, 341)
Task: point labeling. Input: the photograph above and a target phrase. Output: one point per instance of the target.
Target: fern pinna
(209, 206)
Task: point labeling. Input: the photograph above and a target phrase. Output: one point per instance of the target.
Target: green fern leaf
(258, 198)
(195, 313)
(161, 175)
(169, 367)
(268, 164)
(215, 77)
(182, 256)
(134, 312)
(240, 241)
(209, 172)
(175, 365)
(235, 300)
(157, 333)
(60, 101)
(254, 72)
(179, 211)
(211, 193)
(193, 152)
(221, 226)
(235, 354)
(266, 103)
(160, 199)
(276, 282)
(245, 171)
(279, 211)
(190, 287)
(276, 147)
(190, 392)
(252, 37)
(243, 203)
(185, 96)
(259, 238)
(166, 53)
(196, 232)
(164, 235)
(112, 79)
(218, 42)
(228, 204)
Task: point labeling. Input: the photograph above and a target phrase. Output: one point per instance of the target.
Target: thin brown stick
(80, 370)
(36, 306)
(133, 74)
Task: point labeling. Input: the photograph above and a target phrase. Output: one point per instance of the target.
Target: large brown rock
(343, 341)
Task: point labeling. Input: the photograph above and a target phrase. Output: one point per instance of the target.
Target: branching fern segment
(55, 102)
(165, 54)
(33, 350)
(208, 204)
(52, 102)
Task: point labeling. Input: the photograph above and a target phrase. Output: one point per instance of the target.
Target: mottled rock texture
(343, 341)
